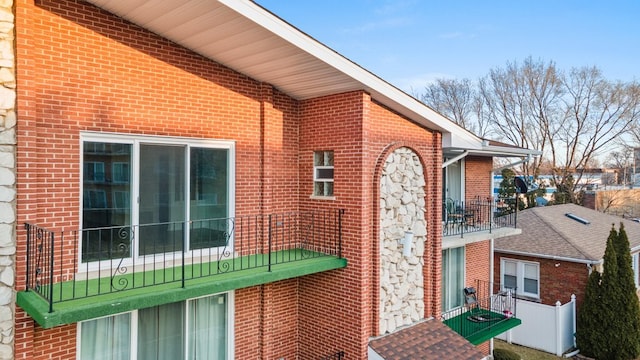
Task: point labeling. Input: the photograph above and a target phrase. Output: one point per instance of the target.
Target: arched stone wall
(402, 209)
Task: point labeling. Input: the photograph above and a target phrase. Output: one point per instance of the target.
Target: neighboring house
(199, 179)
(558, 248)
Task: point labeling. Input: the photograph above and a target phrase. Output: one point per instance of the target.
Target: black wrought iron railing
(483, 311)
(337, 356)
(460, 217)
(63, 266)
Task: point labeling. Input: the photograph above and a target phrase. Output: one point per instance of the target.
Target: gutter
(527, 159)
(552, 257)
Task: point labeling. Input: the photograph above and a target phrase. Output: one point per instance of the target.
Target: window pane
(101, 205)
(208, 328)
(161, 332)
(328, 158)
(453, 278)
(530, 271)
(531, 286)
(510, 268)
(209, 185)
(509, 282)
(107, 338)
(162, 198)
(324, 174)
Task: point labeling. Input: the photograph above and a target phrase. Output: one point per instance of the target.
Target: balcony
(84, 274)
(476, 216)
(484, 315)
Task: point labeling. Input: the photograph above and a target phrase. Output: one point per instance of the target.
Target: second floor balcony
(78, 275)
(485, 314)
(475, 216)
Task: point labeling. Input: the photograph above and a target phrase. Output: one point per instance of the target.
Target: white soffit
(249, 39)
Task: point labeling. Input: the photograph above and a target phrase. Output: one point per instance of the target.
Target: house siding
(478, 178)
(557, 283)
(83, 69)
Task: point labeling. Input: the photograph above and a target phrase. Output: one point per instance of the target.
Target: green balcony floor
(477, 332)
(90, 299)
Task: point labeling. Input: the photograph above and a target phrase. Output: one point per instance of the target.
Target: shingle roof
(548, 232)
(430, 339)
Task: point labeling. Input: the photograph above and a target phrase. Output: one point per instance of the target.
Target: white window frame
(230, 331)
(134, 175)
(520, 264)
(319, 179)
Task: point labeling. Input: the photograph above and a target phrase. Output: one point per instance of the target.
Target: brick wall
(83, 69)
(140, 84)
(478, 179)
(352, 294)
(477, 261)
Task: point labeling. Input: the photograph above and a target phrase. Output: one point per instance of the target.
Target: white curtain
(160, 332)
(208, 328)
(454, 181)
(106, 338)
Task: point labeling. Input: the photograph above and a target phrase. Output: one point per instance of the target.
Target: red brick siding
(361, 133)
(478, 257)
(83, 69)
(557, 283)
(138, 83)
(478, 177)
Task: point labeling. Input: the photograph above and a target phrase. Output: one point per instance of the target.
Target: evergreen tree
(609, 301)
(627, 339)
(609, 319)
(589, 318)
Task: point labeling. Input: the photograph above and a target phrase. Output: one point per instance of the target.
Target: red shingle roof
(430, 339)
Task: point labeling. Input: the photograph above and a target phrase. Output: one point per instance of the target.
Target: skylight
(577, 218)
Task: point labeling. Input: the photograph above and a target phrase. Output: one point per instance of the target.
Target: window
(323, 173)
(521, 276)
(93, 171)
(195, 329)
(452, 278)
(155, 186)
(120, 172)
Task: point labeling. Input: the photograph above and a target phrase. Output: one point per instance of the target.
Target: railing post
(269, 245)
(184, 250)
(340, 213)
(51, 274)
(28, 229)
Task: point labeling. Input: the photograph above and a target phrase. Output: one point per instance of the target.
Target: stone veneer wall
(402, 208)
(7, 177)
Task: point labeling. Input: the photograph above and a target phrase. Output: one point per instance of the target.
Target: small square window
(323, 173)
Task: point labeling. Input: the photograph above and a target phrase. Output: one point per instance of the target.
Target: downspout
(491, 273)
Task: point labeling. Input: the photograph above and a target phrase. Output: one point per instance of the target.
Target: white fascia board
(384, 92)
(508, 151)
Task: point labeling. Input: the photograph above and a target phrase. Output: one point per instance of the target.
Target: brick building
(199, 179)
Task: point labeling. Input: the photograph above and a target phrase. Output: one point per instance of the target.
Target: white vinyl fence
(544, 327)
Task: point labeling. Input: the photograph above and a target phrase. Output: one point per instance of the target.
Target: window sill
(318, 197)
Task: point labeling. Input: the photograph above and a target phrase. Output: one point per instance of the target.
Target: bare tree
(596, 113)
(521, 102)
(458, 101)
(572, 118)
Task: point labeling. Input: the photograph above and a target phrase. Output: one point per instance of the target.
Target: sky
(410, 43)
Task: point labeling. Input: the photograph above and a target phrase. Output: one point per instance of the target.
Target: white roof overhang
(251, 40)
